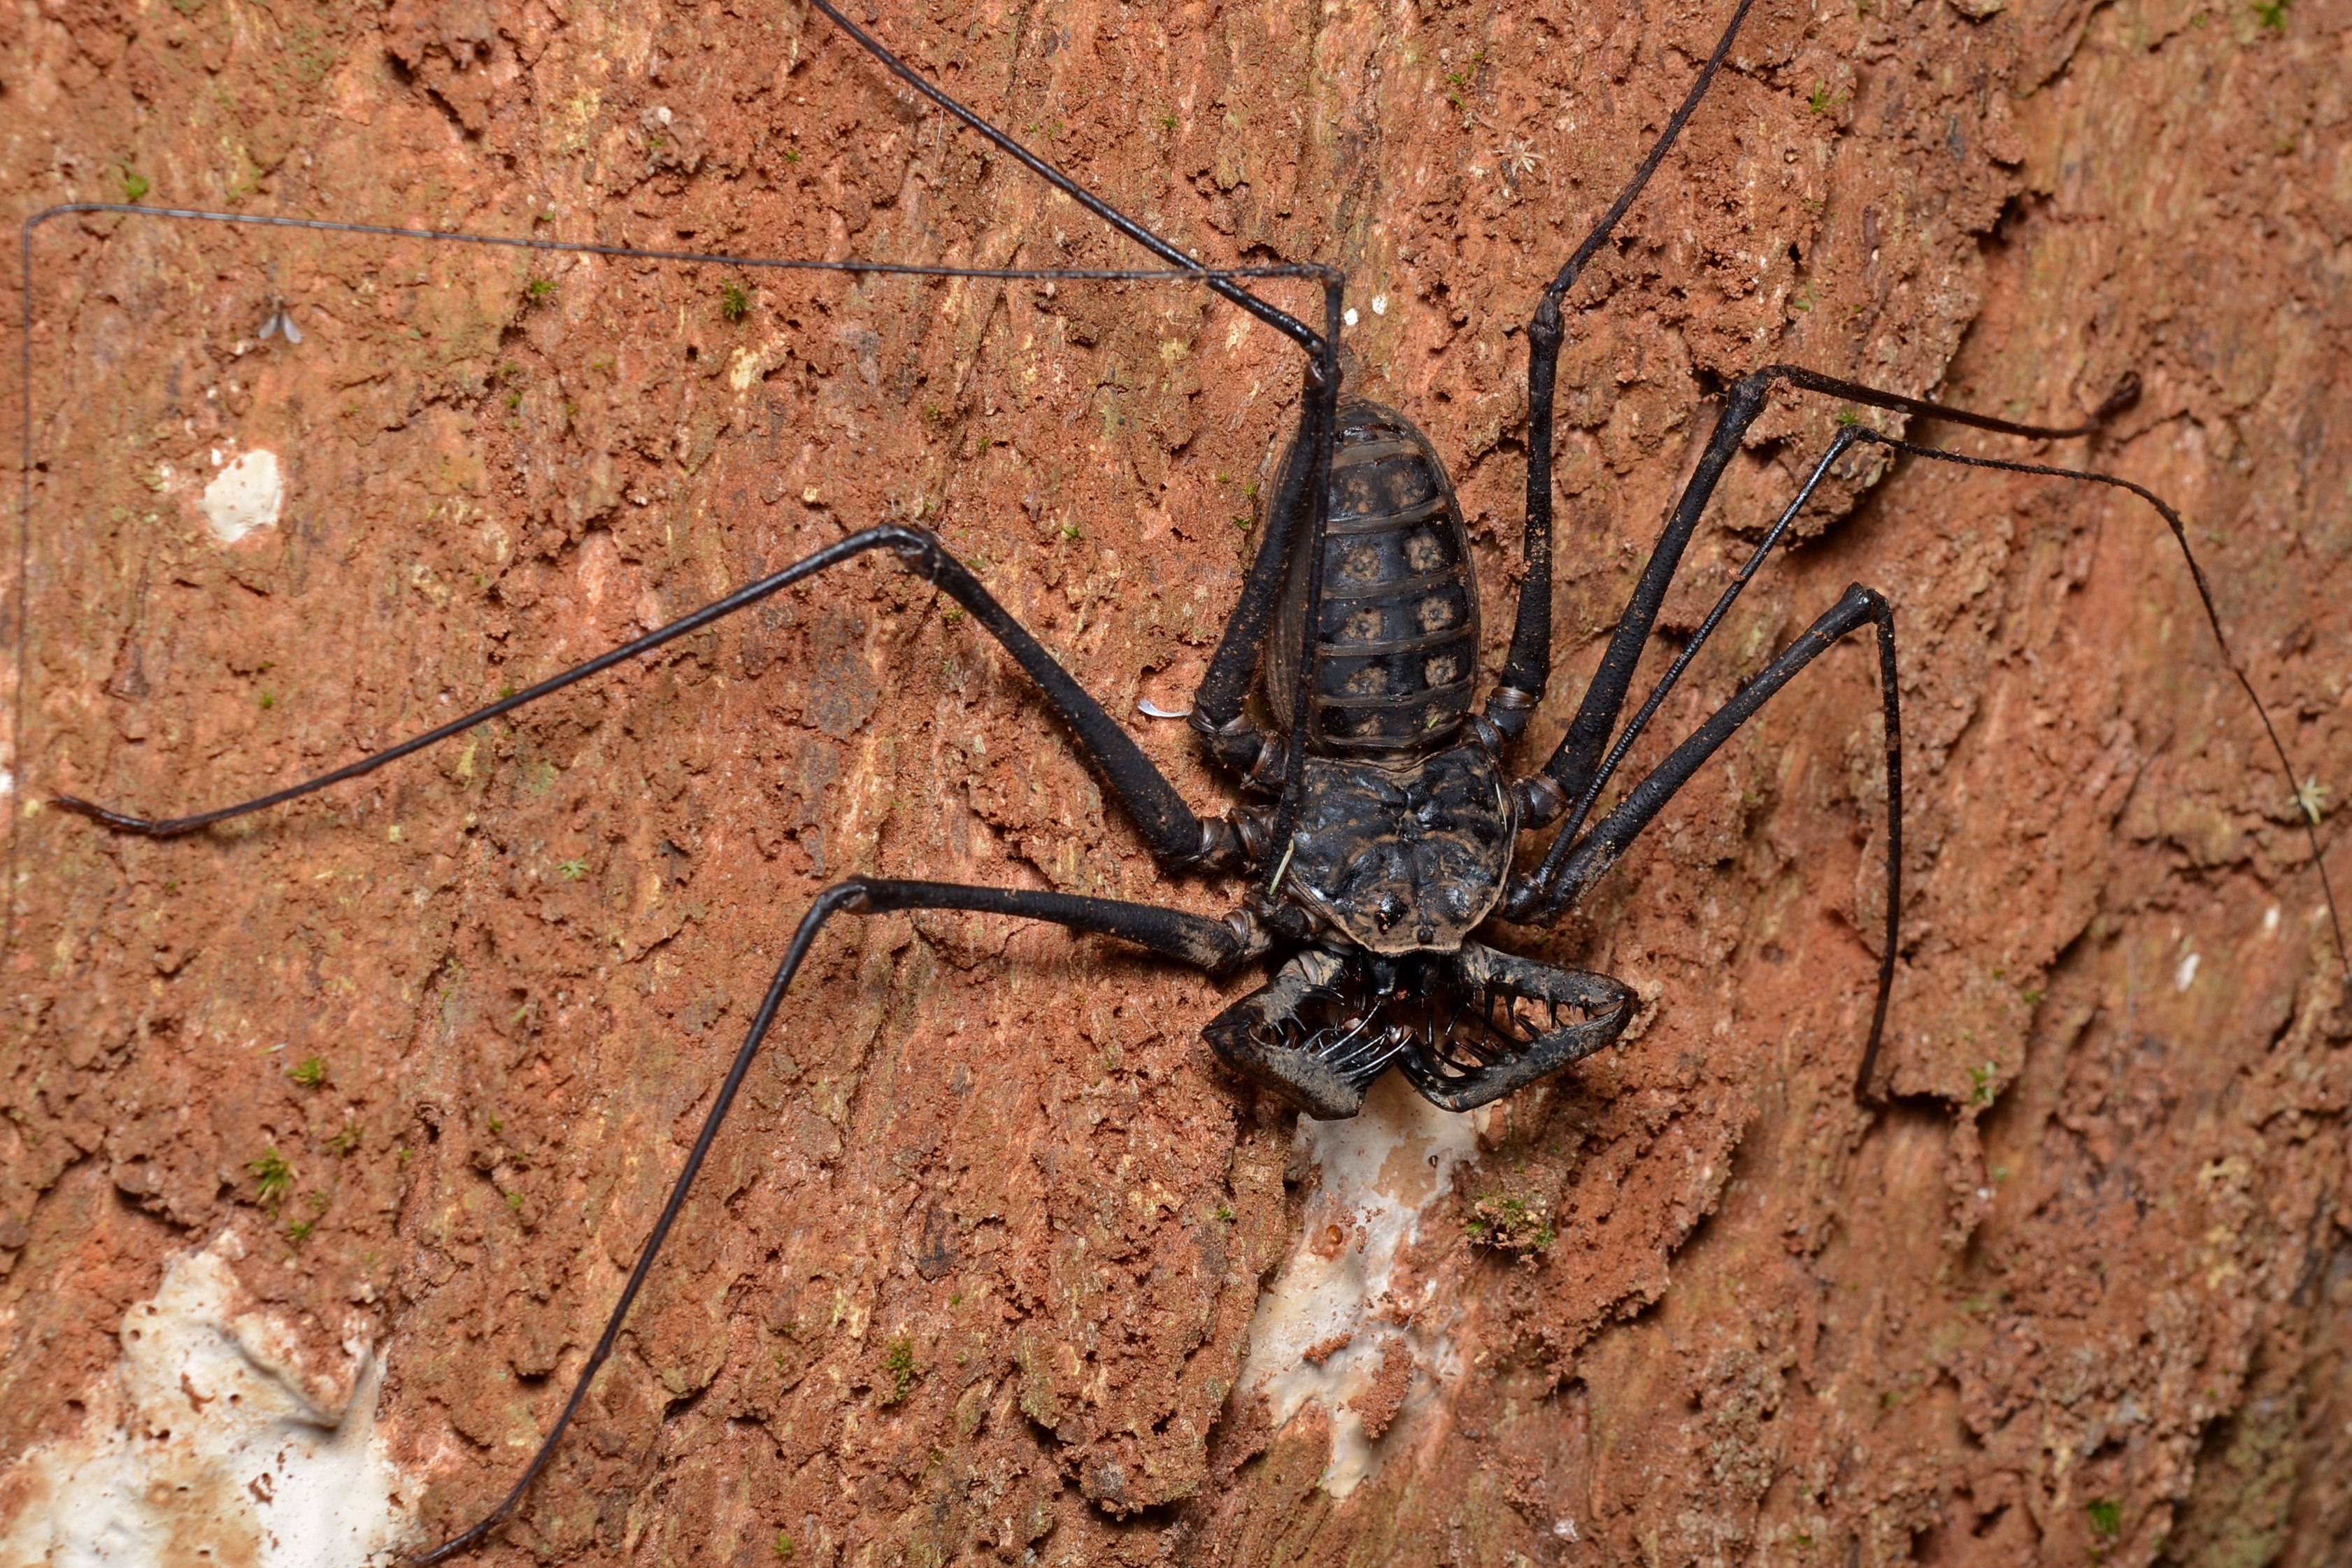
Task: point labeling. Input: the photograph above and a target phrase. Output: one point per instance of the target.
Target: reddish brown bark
(975, 1272)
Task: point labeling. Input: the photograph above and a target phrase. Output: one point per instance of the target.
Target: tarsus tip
(101, 816)
(2125, 394)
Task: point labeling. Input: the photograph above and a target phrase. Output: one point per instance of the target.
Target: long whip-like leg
(1177, 837)
(1213, 945)
(2173, 520)
(1590, 860)
(1581, 750)
(1530, 888)
(1280, 320)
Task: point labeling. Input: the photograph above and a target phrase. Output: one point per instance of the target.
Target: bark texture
(972, 1274)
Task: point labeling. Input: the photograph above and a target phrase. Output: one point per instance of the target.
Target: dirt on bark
(975, 1270)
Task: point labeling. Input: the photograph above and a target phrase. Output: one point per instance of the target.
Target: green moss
(899, 1370)
(273, 1178)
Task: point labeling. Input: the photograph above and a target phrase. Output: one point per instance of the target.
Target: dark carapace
(1404, 825)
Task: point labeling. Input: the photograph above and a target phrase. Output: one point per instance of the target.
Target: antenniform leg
(1575, 763)
(1177, 837)
(1213, 945)
(1565, 877)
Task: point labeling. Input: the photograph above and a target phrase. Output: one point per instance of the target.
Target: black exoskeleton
(1404, 830)
(1388, 815)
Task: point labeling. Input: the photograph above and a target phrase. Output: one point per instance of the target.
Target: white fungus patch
(244, 496)
(1382, 1171)
(208, 1443)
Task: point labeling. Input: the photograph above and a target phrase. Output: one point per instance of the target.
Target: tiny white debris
(245, 496)
(7, 782)
(1565, 1529)
(2186, 975)
(1349, 315)
(2271, 920)
(209, 1443)
(1379, 304)
(662, 115)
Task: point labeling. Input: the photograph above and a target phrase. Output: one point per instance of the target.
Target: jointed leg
(1231, 736)
(1176, 835)
(1213, 945)
(1575, 763)
(2172, 520)
(1529, 666)
(1582, 808)
(1565, 878)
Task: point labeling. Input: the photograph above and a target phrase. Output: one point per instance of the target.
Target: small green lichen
(310, 1072)
(134, 184)
(734, 301)
(2106, 1518)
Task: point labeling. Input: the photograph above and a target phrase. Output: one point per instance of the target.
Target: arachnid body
(1384, 798)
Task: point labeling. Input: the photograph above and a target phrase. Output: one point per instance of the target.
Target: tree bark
(993, 1262)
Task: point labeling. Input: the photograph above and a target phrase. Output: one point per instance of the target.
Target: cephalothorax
(1384, 803)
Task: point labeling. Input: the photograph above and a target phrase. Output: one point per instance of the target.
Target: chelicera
(1382, 806)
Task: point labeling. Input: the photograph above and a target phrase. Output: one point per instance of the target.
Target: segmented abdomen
(1398, 626)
